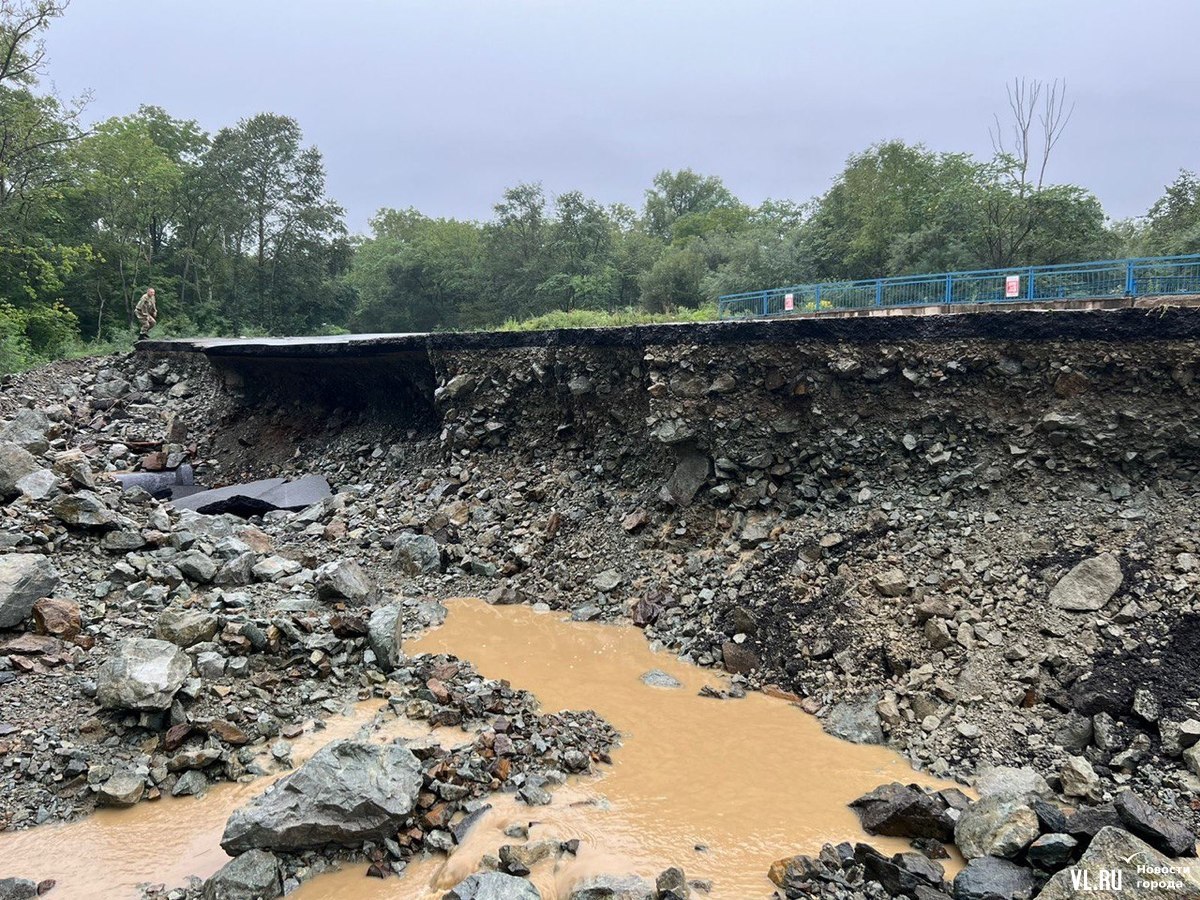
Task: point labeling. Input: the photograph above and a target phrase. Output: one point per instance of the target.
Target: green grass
(593, 318)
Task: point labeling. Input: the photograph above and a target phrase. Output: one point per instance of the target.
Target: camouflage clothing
(146, 312)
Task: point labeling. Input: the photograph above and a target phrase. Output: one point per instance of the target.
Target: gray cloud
(442, 104)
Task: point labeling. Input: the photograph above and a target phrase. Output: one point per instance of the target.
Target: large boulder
(903, 875)
(142, 673)
(83, 509)
(996, 826)
(24, 579)
(123, 788)
(899, 810)
(385, 636)
(17, 889)
(344, 579)
(1089, 586)
(185, 627)
(16, 463)
(28, 429)
(255, 875)
(58, 618)
(1011, 781)
(416, 554)
(1162, 833)
(1117, 865)
(612, 887)
(855, 721)
(691, 471)
(196, 566)
(493, 886)
(989, 878)
(350, 792)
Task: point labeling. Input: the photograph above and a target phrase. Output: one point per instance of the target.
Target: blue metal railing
(1145, 277)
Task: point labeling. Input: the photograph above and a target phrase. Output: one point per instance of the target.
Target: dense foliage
(236, 232)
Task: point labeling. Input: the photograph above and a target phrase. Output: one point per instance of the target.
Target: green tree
(675, 280)
(677, 195)
(1173, 222)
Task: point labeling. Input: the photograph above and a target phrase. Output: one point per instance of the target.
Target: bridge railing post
(949, 289)
(879, 292)
(1030, 290)
(1130, 280)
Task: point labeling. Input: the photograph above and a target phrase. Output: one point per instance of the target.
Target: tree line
(237, 233)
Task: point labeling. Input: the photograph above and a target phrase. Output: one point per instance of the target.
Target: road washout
(744, 779)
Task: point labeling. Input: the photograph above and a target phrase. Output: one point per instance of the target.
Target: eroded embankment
(877, 511)
(971, 540)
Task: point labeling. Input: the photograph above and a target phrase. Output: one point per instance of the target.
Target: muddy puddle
(720, 787)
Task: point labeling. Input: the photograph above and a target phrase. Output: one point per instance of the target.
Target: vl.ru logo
(1105, 880)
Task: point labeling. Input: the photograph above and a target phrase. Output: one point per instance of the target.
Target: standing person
(146, 312)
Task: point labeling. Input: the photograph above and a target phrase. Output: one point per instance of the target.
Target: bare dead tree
(1029, 152)
(1038, 117)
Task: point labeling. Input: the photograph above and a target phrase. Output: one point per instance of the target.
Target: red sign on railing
(1012, 286)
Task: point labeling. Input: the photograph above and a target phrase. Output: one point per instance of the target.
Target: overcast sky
(442, 104)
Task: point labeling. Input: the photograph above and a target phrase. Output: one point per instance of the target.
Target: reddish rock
(228, 732)
(59, 618)
(154, 462)
(176, 735)
(635, 520)
(31, 644)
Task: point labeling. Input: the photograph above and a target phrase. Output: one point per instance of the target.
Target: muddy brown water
(720, 787)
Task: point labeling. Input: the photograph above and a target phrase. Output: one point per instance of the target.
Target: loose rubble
(982, 553)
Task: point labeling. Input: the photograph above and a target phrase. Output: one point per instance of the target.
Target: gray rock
(1115, 854)
(385, 636)
(891, 583)
(185, 627)
(28, 430)
(74, 466)
(691, 471)
(142, 673)
(899, 810)
(607, 581)
(15, 463)
(255, 875)
(83, 509)
(1088, 586)
(1078, 778)
(1010, 781)
(274, 567)
(612, 887)
(122, 541)
(456, 387)
(17, 889)
(493, 886)
(24, 579)
(344, 579)
(1074, 733)
(39, 485)
(121, 789)
(659, 678)
(855, 721)
(672, 885)
(196, 566)
(191, 783)
(1160, 832)
(416, 554)
(996, 826)
(1052, 851)
(989, 878)
(349, 792)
